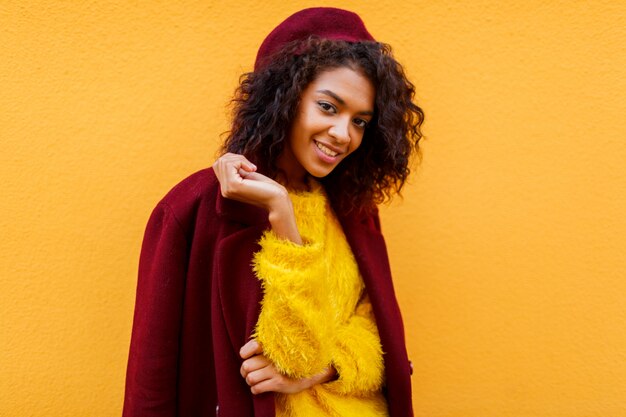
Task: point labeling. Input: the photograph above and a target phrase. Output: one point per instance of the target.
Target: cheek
(297, 132)
(303, 126)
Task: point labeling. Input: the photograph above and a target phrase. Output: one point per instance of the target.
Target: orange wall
(508, 249)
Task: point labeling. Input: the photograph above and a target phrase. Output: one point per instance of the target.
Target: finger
(260, 388)
(251, 348)
(242, 168)
(267, 385)
(248, 166)
(231, 172)
(254, 176)
(239, 161)
(260, 375)
(226, 162)
(245, 174)
(238, 169)
(252, 364)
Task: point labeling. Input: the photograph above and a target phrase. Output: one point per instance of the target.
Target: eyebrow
(342, 102)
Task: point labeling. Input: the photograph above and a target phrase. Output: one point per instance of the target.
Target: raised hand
(240, 181)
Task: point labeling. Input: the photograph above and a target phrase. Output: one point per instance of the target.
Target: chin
(320, 172)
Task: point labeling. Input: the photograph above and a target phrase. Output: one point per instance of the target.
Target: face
(330, 121)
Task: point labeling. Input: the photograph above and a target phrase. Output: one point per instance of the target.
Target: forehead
(350, 85)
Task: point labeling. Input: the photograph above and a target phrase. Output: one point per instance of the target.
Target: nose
(340, 131)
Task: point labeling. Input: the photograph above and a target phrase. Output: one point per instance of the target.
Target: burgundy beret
(325, 22)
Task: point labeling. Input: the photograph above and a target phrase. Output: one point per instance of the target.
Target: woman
(264, 285)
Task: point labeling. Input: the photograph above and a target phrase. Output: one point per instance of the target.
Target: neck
(291, 174)
(292, 184)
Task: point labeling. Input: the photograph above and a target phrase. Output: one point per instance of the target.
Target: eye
(361, 123)
(327, 107)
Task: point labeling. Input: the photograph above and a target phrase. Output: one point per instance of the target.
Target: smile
(325, 149)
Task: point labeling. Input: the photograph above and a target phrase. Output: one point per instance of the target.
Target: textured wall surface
(507, 250)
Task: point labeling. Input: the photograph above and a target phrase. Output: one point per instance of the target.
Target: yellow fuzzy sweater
(315, 313)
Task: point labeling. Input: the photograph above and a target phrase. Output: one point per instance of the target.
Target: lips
(327, 149)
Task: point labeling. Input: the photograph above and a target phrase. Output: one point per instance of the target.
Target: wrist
(327, 375)
(280, 207)
(282, 219)
(330, 374)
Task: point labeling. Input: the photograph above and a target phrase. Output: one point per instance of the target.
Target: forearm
(294, 334)
(357, 353)
(292, 325)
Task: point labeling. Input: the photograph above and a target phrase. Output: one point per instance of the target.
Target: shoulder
(197, 191)
(197, 186)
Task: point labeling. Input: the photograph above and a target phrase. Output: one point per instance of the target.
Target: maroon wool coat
(198, 302)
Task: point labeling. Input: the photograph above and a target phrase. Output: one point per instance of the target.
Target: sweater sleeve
(292, 328)
(357, 354)
(153, 359)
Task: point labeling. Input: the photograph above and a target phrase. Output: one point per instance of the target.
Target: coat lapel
(368, 247)
(370, 252)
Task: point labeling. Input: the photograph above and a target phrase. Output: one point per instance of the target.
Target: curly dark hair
(266, 101)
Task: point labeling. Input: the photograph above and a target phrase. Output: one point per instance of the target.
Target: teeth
(325, 149)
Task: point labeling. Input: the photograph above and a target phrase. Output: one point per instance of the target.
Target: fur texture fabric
(315, 313)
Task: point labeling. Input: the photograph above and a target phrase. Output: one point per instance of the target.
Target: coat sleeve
(357, 354)
(152, 365)
(292, 328)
